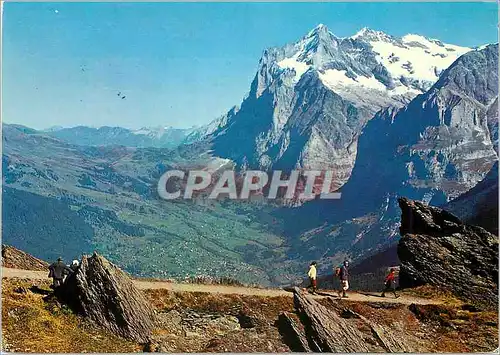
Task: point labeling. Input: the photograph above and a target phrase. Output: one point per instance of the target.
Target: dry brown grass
(201, 280)
(457, 329)
(267, 307)
(29, 324)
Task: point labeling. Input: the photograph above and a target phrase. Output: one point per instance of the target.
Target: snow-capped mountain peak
(319, 31)
(154, 132)
(362, 32)
(368, 34)
(370, 59)
(416, 59)
(310, 99)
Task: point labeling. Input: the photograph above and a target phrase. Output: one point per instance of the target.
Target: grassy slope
(31, 325)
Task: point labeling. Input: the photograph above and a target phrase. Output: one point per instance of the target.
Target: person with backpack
(336, 275)
(312, 277)
(343, 274)
(390, 283)
(57, 271)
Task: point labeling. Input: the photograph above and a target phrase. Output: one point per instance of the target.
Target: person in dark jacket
(57, 271)
(390, 283)
(344, 278)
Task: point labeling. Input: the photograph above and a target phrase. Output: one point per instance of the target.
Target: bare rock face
(328, 332)
(106, 295)
(437, 248)
(17, 259)
(324, 329)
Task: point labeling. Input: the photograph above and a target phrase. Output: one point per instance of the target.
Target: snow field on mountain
(418, 59)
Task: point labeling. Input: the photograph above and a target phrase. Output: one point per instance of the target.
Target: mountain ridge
(311, 99)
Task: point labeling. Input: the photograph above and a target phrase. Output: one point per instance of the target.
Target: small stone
(189, 334)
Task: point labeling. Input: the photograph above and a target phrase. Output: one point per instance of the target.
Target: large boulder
(436, 248)
(106, 295)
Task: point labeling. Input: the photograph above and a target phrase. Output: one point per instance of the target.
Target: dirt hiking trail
(239, 290)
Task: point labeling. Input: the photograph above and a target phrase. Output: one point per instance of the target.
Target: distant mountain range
(160, 137)
(390, 116)
(146, 137)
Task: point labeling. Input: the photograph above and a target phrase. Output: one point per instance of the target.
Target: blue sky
(180, 64)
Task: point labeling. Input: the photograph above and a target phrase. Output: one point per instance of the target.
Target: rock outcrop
(105, 295)
(17, 259)
(436, 248)
(327, 331)
(335, 329)
(293, 336)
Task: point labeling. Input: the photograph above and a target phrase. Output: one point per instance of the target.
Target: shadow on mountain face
(479, 206)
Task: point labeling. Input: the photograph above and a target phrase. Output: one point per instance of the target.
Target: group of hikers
(59, 270)
(342, 273)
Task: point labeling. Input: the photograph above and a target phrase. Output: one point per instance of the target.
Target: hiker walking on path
(312, 277)
(390, 283)
(57, 271)
(344, 279)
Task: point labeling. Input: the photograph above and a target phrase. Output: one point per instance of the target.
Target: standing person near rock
(57, 271)
(336, 276)
(344, 279)
(312, 277)
(74, 265)
(390, 284)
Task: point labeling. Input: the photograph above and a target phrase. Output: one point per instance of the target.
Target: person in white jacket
(312, 277)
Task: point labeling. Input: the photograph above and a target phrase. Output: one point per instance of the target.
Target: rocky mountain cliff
(112, 315)
(437, 248)
(438, 146)
(310, 100)
(300, 112)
